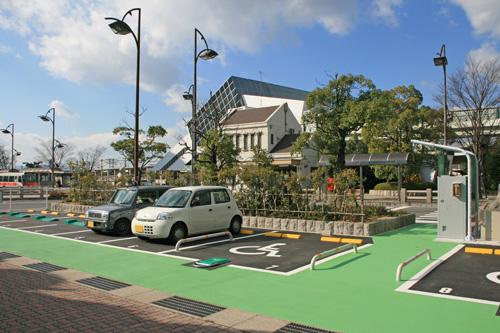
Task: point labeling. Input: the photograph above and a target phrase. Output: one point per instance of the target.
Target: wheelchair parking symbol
(269, 250)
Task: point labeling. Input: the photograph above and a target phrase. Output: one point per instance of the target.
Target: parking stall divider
(331, 252)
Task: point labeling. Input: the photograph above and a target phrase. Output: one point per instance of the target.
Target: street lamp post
(441, 60)
(53, 121)
(119, 27)
(205, 54)
(11, 132)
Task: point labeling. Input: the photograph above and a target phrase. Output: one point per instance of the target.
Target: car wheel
(122, 227)
(235, 226)
(177, 233)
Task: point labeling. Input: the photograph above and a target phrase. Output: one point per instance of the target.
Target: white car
(185, 211)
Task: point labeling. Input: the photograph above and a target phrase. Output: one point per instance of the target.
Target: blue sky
(60, 52)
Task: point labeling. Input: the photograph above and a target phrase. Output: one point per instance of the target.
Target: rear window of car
(221, 196)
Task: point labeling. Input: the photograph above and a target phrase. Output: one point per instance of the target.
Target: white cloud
(174, 99)
(62, 110)
(485, 53)
(386, 11)
(5, 49)
(73, 41)
(484, 15)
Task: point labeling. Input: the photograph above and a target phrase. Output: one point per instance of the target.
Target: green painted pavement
(352, 293)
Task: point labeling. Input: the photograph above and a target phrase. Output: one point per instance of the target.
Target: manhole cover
(189, 306)
(7, 255)
(45, 267)
(103, 283)
(298, 328)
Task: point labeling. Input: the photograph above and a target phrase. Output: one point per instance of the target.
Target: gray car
(116, 216)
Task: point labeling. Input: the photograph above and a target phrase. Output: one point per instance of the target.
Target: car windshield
(174, 199)
(123, 197)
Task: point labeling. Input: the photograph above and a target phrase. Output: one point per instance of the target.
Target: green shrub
(390, 186)
(420, 186)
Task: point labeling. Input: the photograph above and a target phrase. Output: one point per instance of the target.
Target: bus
(19, 179)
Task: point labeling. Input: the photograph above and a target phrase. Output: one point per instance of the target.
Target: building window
(237, 141)
(252, 141)
(259, 140)
(272, 139)
(245, 142)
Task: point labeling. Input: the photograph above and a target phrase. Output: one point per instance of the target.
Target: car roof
(195, 188)
(145, 187)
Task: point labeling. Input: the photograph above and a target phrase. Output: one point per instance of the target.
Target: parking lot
(270, 251)
(469, 272)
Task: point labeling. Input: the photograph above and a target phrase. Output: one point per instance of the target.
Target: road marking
(268, 250)
(398, 208)
(494, 277)
(13, 221)
(116, 240)
(216, 242)
(133, 246)
(38, 226)
(272, 266)
(79, 237)
(71, 232)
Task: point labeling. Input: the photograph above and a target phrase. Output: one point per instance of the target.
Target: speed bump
(81, 216)
(247, 232)
(282, 235)
(497, 252)
(54, 213)
(478, 250)
(44, 212)
(356, 241)
(31, 210)
(71, 214)
(330, 239)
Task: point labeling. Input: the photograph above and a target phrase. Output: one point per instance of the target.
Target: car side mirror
(195, 202)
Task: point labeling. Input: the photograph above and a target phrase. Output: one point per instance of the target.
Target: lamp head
(208, 54)
(120, 27)
(44, 118)
(187, 96)
(5, 131)
(440, 61)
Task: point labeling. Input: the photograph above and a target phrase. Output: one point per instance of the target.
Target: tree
(396, 119)
(335, 112)
(4, 158)
(89, 157)
(474, 98)
(149, 147)
(61, 155)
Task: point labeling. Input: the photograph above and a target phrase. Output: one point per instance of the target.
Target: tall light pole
(53, 121)
(205, 54)
(11, 132)
(441, 60)
(119, 27)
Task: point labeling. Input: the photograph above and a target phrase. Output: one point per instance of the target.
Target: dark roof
(285, 145)
(253, 115)
(259, 88)
(395, 158)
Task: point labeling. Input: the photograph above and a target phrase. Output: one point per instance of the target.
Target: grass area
(352, 293)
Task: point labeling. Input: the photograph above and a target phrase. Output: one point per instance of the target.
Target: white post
(46, 197)
(10, 201)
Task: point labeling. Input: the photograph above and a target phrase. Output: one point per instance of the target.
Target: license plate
(90, 224)
(139, 228)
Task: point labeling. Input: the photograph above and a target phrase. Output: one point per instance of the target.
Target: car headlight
(87, 213)
(105, 215)
(164, 216)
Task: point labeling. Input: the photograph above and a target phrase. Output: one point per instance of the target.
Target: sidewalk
(32, 301)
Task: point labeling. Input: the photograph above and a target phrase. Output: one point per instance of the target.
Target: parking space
(469, 272)
(264, 250)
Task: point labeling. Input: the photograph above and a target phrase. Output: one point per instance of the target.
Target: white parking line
(398, 208)
(13, 221)
(116, 240)
(38, 226)
(71, 232)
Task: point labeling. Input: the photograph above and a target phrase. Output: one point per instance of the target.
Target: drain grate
(188, 306)
(45, 267)
(103, 283)
(298, 328)
(7, 255)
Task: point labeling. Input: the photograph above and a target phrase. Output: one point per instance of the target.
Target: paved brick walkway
(37, 302)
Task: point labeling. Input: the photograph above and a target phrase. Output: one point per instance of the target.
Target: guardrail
(207, 236)
(331, 252)
(407, 261)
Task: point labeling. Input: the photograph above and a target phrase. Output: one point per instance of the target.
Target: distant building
(235, 93)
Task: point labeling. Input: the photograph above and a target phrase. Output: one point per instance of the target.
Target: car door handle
(210, 210)
(228, 207)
